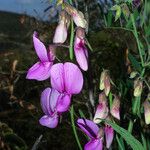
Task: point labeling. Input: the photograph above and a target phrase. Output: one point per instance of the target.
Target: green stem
(136, 105)
(71, 41)
(74, 127)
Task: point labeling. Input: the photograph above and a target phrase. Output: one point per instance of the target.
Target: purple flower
(92, 131)
(41, 70)
(66, 79)
(96, 134)
(109, 135)
(53, 104)
(80, 49)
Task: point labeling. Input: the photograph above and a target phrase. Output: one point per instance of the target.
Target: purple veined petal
(53, 99)
(81, 54)
(57, 77)
(109, 135)
(94, 144)
(40, 48)
(73, 78)
(63, 103)
(88, 127)
(60, 33)
(48, 121)
(45, 101)
(101, 112)
(39, 71)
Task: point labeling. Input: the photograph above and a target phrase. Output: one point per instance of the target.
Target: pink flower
(66, 80)
(41, 70)
(80, 49)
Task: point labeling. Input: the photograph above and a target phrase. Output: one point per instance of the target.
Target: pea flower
(147, 111)
(41, 70)
(77, 16)
(115, 109)
(105, 82)
(66, 79)
(93, 132)
(80, 49)
(109, 135)
(102, 109)
(53, 103)
(60, 35)
(96, 134)
(138, 87)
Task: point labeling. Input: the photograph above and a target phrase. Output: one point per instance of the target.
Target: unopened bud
(61, 30)
(147, 111)
(102, 109)
(77, 16)
(109, 135)
(105, 82)
(138, 86)
(115, 109)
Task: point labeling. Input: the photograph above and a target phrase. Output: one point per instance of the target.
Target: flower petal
(39, 71)
(81, 54)
(57, 81)
(60, 33)
(95, 144)
(50, 122)
(109, 134)
(63, 103)
(40, 48)
(53, 99)
(45, 101)
(73, 78)
(88, 127)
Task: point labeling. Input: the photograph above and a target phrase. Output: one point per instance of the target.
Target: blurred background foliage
(110, 40)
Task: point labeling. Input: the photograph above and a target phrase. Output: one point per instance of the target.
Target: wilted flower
(41, 70)
(138, 87)
(105, 82)
(77, 16)
(115, 109)
(66, 79)
(147, 111)
(109, 135)
(61, 30)
(102, 109)
(80, 49)
(93, 132)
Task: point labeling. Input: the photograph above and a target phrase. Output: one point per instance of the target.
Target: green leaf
(144, 142)
(135, 63)
(120, 143)
(134, 143)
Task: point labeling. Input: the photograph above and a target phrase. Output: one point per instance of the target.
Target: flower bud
(102, 109)
(61, 30)
(147, 111)
(138, 86)
(81, 52)
(109, 135)
(115, 109)
(77, 16)
(105, 82)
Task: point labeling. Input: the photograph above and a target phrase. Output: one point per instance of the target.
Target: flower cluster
(66, 79)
